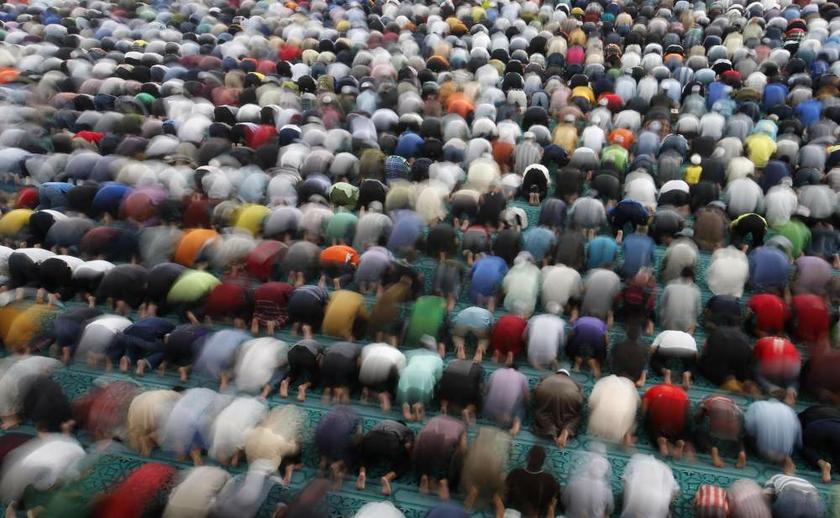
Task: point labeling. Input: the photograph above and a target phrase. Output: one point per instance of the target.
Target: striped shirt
(525, 154)
(777, 484)
(710, 502)
(747, 501)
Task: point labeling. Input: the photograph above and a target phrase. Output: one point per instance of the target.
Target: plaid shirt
(396, 168)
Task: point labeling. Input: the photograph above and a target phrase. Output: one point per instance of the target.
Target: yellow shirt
(565, 136)
(692, 174)
(585, 92)
(760, 148)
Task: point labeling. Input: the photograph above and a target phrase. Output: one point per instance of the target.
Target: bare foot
(140, 369)
(284, 388)
(790, 397)
(517, 426)
(124, 364)
(742, 460)
(424, 485)
(406, 412)
(472, 496)
(679, 447)
(663, 446)
(195, 455)
(386, 486)
(788, 466)
(255, 326)
(443, 490)
(716, 460)
(562, 439)
(360, 482)
(467, 416)
(183, 373)
(301, 393)
(825, 468)
(686, 377)
(666, 373)
(385, 401)
(10, 421)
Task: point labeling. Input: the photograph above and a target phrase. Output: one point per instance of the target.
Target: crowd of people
(614, 220)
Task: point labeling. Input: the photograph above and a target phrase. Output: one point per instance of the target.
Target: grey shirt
(587, 213)
(680, 305)
(681, 253)
(372, 227)
(599, 290)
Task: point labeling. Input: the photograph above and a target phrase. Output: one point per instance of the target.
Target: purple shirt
(589, 329)
(506, 393)
(813, 274)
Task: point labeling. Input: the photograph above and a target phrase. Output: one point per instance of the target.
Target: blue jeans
(134, 348)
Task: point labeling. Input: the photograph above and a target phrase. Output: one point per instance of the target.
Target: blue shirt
(769, 269)
(407, 229)
(600, 252)
(486, 276)
(638, 253)
(152, 328)
(538, 241)
(809, 111)
(774, 93)
(409, 145)
(775, 428)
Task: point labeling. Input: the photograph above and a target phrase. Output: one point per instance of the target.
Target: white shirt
(99, 333)
(546, 334)
(377, 361)
(780, 202)
(257, 360)
(612, 408)
(41, 463)
(675, 343)
(560, 283)
(649, 487)
(593, 138)
(728, 272)
(232, 425)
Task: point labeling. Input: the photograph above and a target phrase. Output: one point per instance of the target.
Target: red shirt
(508, 335)
(812, 317)
(773, 348)
(771, 312)
(132, 497)
(226, 299)
(667, 408)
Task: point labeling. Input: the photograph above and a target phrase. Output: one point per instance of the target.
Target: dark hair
(687, 272)
(536, 457)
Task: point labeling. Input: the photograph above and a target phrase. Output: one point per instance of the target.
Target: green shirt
(341, 226)
(427, 316)
(797, 233)
(418, 379)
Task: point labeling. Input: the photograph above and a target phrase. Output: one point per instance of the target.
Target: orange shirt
(340, 254)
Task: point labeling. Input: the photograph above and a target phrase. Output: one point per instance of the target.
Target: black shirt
(531, 493)
(727, 353)
(628, 359)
